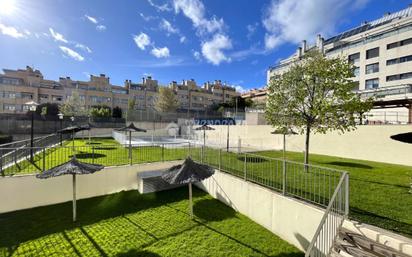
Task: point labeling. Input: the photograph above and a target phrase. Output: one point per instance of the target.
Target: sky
(233, 41)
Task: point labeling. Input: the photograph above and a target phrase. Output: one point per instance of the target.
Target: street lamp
(61, 126)
(32, 108)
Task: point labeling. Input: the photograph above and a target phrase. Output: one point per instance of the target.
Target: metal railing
(332, 220)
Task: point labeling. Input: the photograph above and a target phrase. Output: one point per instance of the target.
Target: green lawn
(131, 224)
(378, 191)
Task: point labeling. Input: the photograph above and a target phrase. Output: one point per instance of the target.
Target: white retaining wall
(371, 143)
(26, 191)
(292, 220)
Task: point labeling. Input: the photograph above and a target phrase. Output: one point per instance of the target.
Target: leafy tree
(167, 100)
(73, 106)
(100, 111)
(242, 103)
(131, 103)
(47, 109)
(315, 95)
(117, 112)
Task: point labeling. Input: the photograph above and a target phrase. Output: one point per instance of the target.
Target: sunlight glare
(7, 7)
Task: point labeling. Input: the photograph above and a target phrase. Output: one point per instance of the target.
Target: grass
(378, 191)
(131, 224)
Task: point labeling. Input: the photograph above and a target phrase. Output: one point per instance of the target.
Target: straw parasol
(204, 127)
(72, 167)
(131, 128)
(187, 173)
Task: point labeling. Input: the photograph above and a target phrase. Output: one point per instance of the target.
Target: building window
(399, 43)
(372, 53)
(399, 60)
(10, 81)
(57, 98)
(407, 75)
(43, 97)
(26, 95)
(372, 68)
(356, 71)
(372, 83)
(354, 58)
(9, 107)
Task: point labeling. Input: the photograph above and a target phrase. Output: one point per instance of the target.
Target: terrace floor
(131, 224)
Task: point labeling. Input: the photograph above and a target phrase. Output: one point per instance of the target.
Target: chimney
(304, 46)
(102, 75)
(299, 52)
(320, 43)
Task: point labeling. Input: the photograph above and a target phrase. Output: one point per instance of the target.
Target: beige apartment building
(18, 87)
(381, 51)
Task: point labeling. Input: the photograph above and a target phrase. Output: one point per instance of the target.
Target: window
(27, 95)
(43, 97)
(399, 60)
(57, 98)
(356, 71)
(9, 107)
(407, 75)
(372, 53)
(10, 81)
(354, 58)
(399, 43)
(372, 83)
(372, 68)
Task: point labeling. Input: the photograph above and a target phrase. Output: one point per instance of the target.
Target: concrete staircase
(352, 243)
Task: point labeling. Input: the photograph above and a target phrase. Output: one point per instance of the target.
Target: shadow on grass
(212, 210)
(88, 155)
(251, 159)
(381, 221)
(93, 143)
(349, 164)
(136, 253)
(25, 225)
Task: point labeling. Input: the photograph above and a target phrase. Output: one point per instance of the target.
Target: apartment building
(18, 87)
(381, 51)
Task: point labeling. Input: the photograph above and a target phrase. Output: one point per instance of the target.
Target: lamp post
(61, 126)
(32, 108)
(72, 119)
(227, 137)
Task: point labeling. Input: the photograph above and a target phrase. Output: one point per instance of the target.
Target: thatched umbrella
(131, 128)
(204, 127)
(284, 132)
(72, 167)
(187, 173)
(72, 130)
(404, 137)
(87, 127)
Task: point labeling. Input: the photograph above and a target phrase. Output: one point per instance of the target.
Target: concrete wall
(366, 143)
(26, 191)
(292, 220)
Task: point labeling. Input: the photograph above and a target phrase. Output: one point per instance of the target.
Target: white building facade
(381, 51)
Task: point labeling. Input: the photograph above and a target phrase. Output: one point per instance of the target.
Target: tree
(73, 106)
(167, 100)
(117, 112)
(315, 95)
(241, 104)
(48, 109)
(100, 111)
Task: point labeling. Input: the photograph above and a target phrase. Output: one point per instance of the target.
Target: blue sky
(235, 41)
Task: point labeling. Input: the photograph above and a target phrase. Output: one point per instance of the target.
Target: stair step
(367, 244)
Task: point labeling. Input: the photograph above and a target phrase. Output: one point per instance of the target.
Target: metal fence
(324, 187)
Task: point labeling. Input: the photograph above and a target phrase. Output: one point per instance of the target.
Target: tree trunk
(307, 147)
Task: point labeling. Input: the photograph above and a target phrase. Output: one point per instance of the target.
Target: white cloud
(71, 53)
(296, 20)
(10, 31)
(162, 52)
(212, 50)
(83, 47)
(101, 27)
(57, 36)
(195, 11)
(142, 40)
(167, 26)
(91, 19)
(162, 8)
(148, 17)
(182, 39)
(251, 29)
(240, 89)
(197, 55)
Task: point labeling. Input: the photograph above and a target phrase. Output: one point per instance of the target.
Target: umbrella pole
(190, 201)
(74, 197)
(130, 144)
